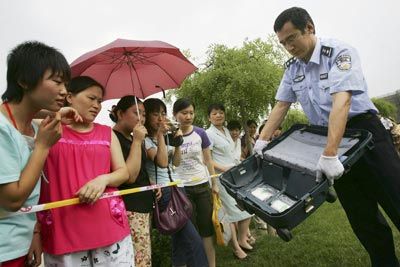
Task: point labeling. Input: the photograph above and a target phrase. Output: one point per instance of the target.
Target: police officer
(325, 76)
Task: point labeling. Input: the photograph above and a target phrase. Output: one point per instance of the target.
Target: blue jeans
(187, 245)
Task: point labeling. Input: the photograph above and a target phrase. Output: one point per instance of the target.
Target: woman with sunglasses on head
(187, 247)
(129, 117)
(85, 162)
(196, 162)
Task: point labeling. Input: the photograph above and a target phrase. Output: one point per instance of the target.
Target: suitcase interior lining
(301, 150)
(290, 165)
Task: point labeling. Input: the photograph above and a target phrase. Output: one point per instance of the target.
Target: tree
(386, 108)
(294, 116)
(244, 79)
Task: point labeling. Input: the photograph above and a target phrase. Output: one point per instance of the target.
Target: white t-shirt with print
(192, 161)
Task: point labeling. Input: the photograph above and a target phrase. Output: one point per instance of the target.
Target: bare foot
(245, 246)
(240, 254)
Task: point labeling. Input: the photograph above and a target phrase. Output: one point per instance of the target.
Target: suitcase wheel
(331, 195)
(284, 234)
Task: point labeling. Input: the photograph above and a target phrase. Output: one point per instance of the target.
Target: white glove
(259, 145)
(331, 167)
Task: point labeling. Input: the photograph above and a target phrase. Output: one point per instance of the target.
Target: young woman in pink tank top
(85, 162)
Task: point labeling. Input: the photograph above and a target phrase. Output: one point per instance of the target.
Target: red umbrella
(140, 68)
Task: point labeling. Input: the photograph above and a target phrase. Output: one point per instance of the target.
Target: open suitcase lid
(281, 187)
(302, 145)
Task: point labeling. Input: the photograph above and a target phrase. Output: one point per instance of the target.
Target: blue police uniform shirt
(333, 67)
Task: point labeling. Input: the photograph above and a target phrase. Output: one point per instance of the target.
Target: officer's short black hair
(297, 15)
(26, 65)
(215, 106)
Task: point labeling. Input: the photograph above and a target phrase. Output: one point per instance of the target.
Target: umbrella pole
(137, 110)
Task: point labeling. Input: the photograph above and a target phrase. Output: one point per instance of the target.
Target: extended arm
(275, 119)
(210, 167)
(329, 163)
(337, 121)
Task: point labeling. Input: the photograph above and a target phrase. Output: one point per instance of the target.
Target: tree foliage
(386, 108)
(294, 116)
(244, 79)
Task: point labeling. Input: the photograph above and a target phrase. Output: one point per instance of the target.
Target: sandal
(252, 240)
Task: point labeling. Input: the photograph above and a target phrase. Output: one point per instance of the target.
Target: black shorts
(201, 199)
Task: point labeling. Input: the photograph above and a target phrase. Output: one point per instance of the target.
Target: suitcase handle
(308, 205)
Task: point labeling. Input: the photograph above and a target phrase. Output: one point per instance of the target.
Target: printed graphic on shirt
(191, 152)
(343, 62)
(192, 162)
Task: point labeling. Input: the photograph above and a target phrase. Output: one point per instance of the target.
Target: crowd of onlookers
(53, 150)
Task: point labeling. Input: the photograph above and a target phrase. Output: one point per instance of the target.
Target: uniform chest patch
(343, 62)
(299, 78)
(326, 51)
(323, 76)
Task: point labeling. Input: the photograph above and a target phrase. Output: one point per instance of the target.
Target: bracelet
(36, 232)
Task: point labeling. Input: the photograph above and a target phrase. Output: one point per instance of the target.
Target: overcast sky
(76, 27)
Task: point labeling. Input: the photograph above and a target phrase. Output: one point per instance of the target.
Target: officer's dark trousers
(373, 180)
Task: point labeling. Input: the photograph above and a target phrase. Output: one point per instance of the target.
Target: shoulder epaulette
(289, 62)
(326, 51)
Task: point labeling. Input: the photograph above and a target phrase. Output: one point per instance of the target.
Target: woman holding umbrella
(129, 116)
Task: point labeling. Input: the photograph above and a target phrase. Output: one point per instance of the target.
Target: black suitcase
(281, 187)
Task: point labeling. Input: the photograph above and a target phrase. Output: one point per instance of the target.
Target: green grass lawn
(324, 239)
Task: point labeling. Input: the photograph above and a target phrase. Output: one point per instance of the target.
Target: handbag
(222, 228)
(177, 212)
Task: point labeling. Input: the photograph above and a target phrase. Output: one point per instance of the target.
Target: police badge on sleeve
(343, 62)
